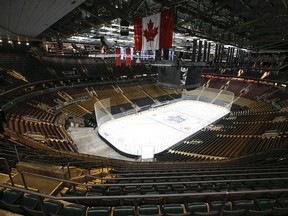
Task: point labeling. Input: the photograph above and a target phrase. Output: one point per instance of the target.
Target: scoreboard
(179, 77)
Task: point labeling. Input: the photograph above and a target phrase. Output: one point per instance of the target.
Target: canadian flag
(154, 32)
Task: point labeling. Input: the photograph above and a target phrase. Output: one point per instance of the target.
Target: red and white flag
(154, 32)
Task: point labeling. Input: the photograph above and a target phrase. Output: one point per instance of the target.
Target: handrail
(17, 154)
(156, 183)
(193, 176)
(7, 169)
(208, 168)
(131, 173)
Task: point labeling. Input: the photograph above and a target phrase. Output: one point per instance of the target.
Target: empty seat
(98, 211)
(123, 211)
(279, 211)
(98, 189)
(239, 212)
(110, 202)
(175, 200)
(173, 209)
(10, 196)
(114, 191)
(245, 204)
(49, 207)
(264, 204)
(153, 200)
(73, 210)
(146, 188)
(283, 201)
(197, 207)
(219, 205)
(25, 201)
(132, 201)
(130, 189)
(91, 202)
(211, 213)
(259, 212)
(148, 210)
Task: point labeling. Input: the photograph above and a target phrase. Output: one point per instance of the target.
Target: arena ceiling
(253, 24)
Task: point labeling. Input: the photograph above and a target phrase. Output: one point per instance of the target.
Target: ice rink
(149, 132)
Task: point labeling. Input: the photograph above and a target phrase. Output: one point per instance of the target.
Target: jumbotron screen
(174, 77)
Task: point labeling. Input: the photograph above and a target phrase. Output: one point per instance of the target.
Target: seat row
(28, 204)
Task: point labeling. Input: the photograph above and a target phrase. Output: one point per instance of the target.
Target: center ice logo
(177, 119)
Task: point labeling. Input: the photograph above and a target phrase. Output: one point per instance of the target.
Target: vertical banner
(193, 57)
(232, 55)
(166, 28)
(128, 56)
(222, 53)
(228, 55)
(205, 51)
(208, 52)
(216, 53)
(199, 56)
(154, 32)
(118, 56)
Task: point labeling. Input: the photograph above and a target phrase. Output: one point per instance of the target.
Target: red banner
(118, 56)
(128, 56)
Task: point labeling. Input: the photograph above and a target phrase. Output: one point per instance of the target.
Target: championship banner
(128, 56)
(118, 56)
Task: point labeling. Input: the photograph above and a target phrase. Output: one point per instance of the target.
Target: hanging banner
(128, 56)
(154, 32)
(118, 56)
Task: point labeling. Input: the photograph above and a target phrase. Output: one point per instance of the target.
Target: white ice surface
(150, 132)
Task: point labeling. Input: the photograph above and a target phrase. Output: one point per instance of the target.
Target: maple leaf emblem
(151, 31)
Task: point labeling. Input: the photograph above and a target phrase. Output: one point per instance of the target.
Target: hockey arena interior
(137, 108)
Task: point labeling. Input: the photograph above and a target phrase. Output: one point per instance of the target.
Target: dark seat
(91, 202)
(239, 212)
(146, 188)
(211, 213)
(179, 214)
(98, 211)
(10, 196)
(173, 209)
(279, 211)
(25, 201)
(153, 200)
(73, 210)
(149, 210)
(197, 207)
(49, 207)
(244, 204)
(123, 211)
(283, 201)
(265, 204)
(110, 202)
(219, 205)
(132, 201)
(130, 189)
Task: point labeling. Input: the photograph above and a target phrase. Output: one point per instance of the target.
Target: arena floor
(149, 132)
